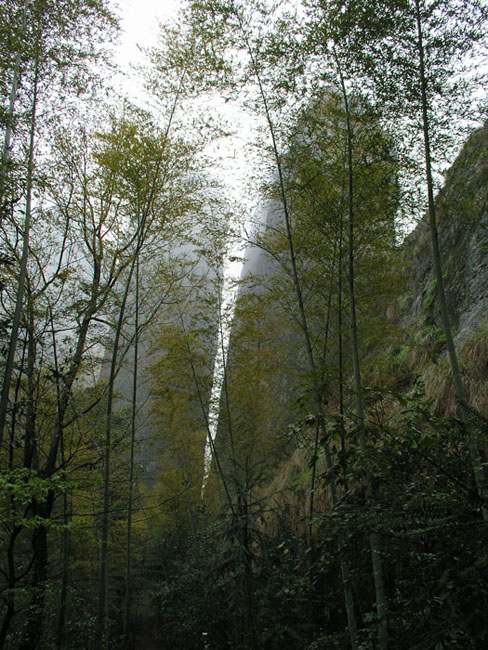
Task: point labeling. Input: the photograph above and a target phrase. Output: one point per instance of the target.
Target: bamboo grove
(333, 493)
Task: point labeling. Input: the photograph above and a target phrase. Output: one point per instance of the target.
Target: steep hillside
(463, 220)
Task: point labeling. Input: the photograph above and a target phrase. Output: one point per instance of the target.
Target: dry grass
(439, 387)
(437, 376)
(474, 359)
(289, 494)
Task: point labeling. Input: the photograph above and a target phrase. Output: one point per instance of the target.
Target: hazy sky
(140, 26)
(140, 23)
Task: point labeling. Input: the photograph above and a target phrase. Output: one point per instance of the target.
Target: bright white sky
(139, 28)
(140, 19)
(140, 24)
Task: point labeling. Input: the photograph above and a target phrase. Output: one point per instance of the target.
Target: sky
(139, 28)
(140, 24)
(139, 21)
(232, 156)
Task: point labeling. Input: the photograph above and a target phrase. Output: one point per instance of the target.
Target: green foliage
(250, 563)
(431, 292)
(20, 487)
(425, 516)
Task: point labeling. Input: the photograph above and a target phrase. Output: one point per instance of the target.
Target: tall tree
(82, 230)
(52, 44)
(416, 57)
(229, 27)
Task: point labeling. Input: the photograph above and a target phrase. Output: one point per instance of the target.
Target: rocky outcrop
(462, 213)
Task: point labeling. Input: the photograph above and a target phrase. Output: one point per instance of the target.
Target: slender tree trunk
(7, 141)
(374, 541)
(12, 577)
(30, 442)
(340, 346)
(66, 552)
(12, 580)
(14, 333)
(130, 497)
(226, 395)
(7, 619)
(34, 621)
(473, 442)
(33, 627)
(349, 601)
(317, 429)
(101, 631)
(63, 598)
(249, 632)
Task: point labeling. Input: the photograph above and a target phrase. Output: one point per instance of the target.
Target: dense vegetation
(332, 492)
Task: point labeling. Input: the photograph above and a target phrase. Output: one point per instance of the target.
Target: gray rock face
(186, 299)
(258, 263)
(462, 213)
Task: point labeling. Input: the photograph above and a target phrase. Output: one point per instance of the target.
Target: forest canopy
(287, 455)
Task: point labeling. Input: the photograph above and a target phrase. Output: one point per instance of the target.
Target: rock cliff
(462, 214)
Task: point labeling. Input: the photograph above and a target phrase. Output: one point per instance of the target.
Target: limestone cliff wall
(462, 212)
